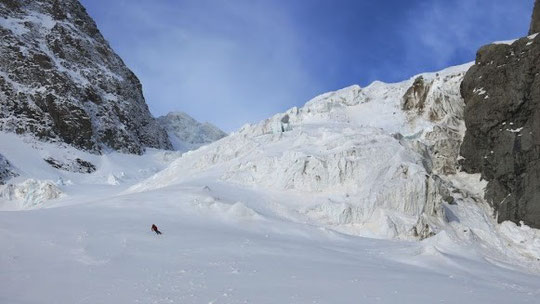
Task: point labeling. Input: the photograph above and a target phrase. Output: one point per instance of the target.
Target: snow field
(104, 252)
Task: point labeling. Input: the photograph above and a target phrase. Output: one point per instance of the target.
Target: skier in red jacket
(155, 229)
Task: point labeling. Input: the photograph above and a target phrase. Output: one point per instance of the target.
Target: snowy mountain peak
(186, 133)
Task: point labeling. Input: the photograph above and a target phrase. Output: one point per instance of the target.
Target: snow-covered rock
(72, 165)
(61, 81)
(6, 170)
(186, 133)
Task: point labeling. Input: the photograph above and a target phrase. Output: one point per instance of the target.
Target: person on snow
(155, 229)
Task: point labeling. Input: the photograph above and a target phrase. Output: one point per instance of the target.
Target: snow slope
(216, 249)
(39, 184)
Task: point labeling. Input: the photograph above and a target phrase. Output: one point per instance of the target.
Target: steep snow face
(373, 158)
(61, 81)
(186, 133)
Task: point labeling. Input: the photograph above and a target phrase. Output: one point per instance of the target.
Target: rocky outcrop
(61, 81)
(535, 23)
(416, 95)
(186, 133)
(6, 170)
(438, 101)
(502, 116)
(76, 165)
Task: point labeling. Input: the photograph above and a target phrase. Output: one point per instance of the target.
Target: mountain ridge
(61, 81)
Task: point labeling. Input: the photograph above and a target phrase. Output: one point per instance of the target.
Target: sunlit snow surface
(275, 213)
(220, 251)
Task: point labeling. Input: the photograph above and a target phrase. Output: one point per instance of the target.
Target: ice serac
(535, 22)
(502, 115)
(31, 193)
(61, 81)
(186, 133)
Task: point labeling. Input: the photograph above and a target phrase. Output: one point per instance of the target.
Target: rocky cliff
(61, 81)
(502, 116)
(535, 23)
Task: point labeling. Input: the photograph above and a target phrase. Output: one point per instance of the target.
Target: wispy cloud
(216, 60)
(442, 32)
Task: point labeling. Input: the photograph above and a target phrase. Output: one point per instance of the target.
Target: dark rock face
(77, 165)
(535, 23)
(6, 170)
(502, 116)
(61, 81)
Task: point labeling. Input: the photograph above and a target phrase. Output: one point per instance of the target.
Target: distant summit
(186, 133)
(60, 81)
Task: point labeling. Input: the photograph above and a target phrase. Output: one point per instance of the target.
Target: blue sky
(231, 62)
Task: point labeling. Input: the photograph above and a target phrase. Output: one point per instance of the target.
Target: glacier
(387, 150)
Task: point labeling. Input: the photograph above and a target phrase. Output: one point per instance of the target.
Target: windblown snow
(277, 212)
